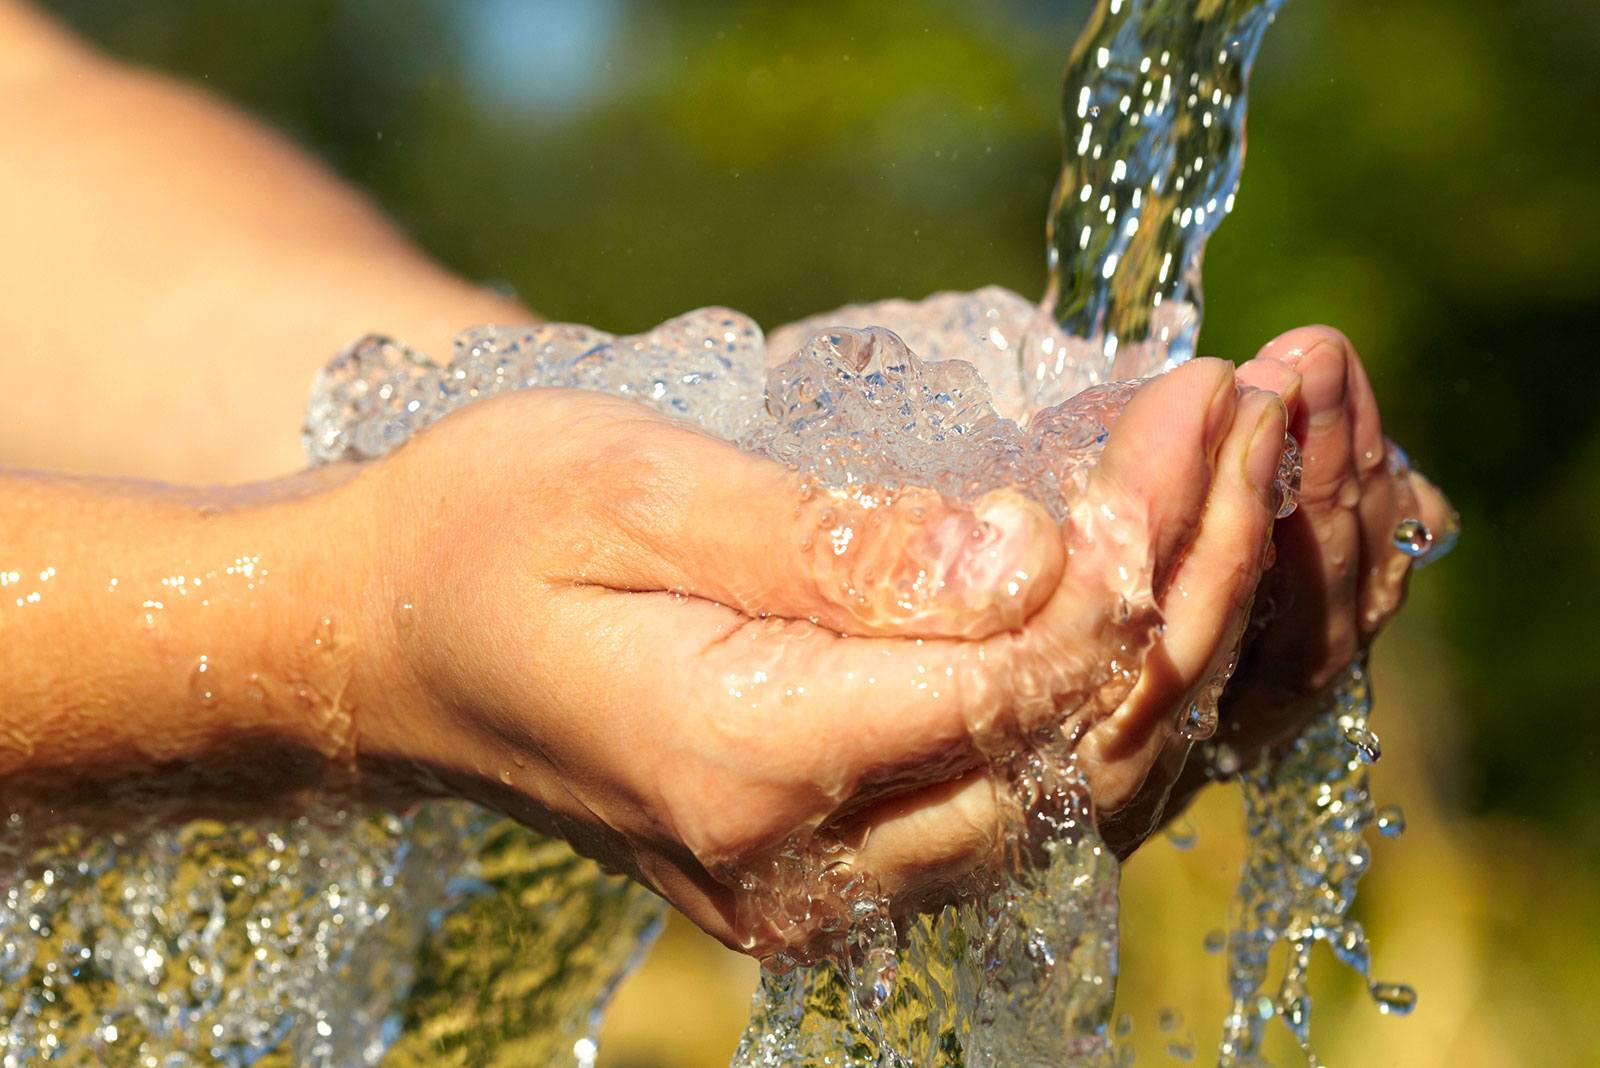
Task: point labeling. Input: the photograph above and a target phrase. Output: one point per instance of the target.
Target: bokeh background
(1424, 175)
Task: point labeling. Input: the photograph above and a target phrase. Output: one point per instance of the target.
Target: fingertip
(1216, 379)
(1437, 514)
(1015, 574)
(1275, 376)
(1292, 346)
(916, 564)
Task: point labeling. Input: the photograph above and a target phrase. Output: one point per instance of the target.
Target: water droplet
(1180, 1051)
(1124, 1024)
(1391, 821)
(203, 681)
(1200, 721)
(1182, 834)
(1412, 537)
(1216, 940)
(1287, 482)
(322, 637)
(1394, 999)
(1169, 1019)
(1366, 743)
(405, 614)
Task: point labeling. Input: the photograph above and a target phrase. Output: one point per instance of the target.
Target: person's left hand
(1338, 576)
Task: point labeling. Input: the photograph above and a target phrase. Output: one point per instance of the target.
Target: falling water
(1153, 113)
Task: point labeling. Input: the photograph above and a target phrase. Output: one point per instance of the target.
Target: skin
(608, 625)
(1337, 577)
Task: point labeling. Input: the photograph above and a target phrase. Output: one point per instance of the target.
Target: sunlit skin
(1337, 577)
(610, 626)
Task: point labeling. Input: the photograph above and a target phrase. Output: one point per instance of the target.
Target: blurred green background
(1425, 176)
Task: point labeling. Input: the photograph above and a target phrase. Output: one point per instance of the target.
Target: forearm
(174, 273)
(147, 632)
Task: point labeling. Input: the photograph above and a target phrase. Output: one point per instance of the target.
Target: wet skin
(652, 660)
(750, 702)
(1336, 577)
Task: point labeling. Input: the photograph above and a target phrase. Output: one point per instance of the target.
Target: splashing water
(1306, 814)
(345, 937)
(330, 940)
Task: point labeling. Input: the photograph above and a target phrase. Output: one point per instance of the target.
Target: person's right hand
(623, 631)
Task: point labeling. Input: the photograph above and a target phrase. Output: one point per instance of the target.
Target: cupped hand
(672, 654)
(1339, 575)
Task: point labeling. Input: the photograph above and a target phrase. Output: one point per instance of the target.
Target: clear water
(1153, 114)
(445, 935)
(1306, 813)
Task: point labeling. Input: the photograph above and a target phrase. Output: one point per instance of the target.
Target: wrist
(166, 637)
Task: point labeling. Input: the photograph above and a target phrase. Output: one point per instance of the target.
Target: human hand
(630, 634)
(1339, 576)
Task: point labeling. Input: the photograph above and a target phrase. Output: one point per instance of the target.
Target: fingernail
(1219, 415)
(1266, 449)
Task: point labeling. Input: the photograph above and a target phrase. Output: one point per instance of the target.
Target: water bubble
(1199, 721)
(1394, 999)
(1365, 741)
(1291, 470)
(1391, 821)
(203, 681)
(1412, 537)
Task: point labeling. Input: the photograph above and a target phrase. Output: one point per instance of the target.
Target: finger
(1155, 472)
(919, 845)
(943, 700)
(684, 512)
(1274, 376)
(1205, 607)
(1385, 498)
(1435, 510)
(1320, 546)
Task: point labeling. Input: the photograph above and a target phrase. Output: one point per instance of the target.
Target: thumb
(746, 532)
